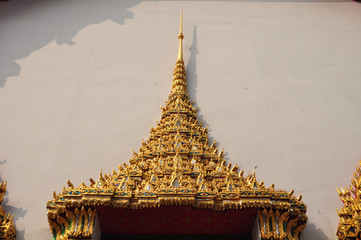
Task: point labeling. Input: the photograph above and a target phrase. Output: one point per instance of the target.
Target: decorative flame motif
(177, 165)
(350, 215)
(7, 228)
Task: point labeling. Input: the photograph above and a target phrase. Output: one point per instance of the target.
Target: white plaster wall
(81, 82)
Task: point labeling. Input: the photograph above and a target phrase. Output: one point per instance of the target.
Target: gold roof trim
(7, 228)
(177, 165)
(349, 226)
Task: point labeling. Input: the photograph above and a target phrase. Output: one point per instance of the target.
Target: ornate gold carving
(177, 165)
(349, 226)
(7, 228)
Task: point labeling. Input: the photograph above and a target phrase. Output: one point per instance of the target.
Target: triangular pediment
(177, 165)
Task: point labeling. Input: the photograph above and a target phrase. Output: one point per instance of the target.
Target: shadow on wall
(192, 82)
(2, 162)
(191, 70)
(45, 21)
(311, 232)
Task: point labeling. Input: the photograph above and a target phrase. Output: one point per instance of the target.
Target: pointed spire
(181, 37)
(179, 86)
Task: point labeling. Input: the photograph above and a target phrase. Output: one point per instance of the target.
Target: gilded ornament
(349, 227)
(7, 228)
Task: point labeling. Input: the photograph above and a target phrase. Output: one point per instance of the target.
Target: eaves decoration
(7, 228)
(349, 227)
(176, 165)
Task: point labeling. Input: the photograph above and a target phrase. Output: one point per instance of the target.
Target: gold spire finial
(180, 37)
(179, 86)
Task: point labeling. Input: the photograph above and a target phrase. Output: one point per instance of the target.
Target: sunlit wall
(278, 83)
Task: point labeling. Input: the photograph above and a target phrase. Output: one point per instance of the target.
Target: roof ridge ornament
(7, 228)
(349, 226)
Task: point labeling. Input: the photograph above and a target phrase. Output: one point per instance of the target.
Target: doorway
(175, 223)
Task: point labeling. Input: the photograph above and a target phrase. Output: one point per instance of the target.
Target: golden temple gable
(177, 165)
